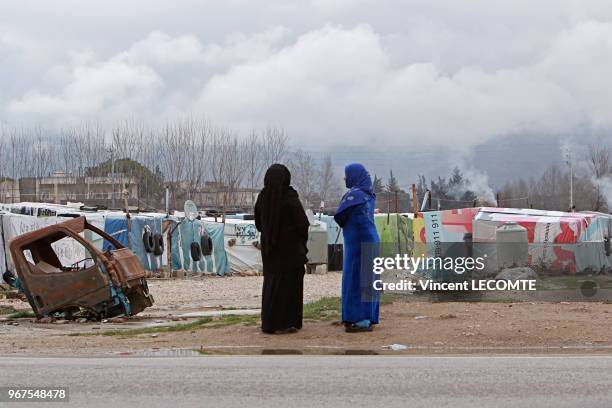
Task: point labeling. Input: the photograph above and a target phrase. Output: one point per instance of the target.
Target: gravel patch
(230, 291)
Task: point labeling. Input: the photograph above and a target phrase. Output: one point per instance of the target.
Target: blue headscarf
(359, 183)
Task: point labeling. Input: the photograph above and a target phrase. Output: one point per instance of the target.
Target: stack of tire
(153, 243)
(202, 248)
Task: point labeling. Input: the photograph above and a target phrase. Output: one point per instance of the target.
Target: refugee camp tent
(443, 234)
(395, 232)
(3, 258)
(185, 233)
(69, 251)
(437, 232)
(117, 227)
(558, 241)
(137, 227)
(23, 217)
(241, 242)
(335, 242)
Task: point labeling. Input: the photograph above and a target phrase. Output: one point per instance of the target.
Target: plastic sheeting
(570, 242)
(116, 227)
(13, 225)
(187, 232)
(395, 232)
(31, 216)
(558, 241)
(150, 261)
(241, 236)
(334, 232)
(3, 258)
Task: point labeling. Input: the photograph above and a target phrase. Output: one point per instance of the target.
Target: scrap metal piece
(104, 284)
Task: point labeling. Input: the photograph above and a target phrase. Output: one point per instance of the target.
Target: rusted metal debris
(103, 284)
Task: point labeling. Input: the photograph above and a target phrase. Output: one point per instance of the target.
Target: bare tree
(19, 153)
(196, 138)
(304, 175)
(254, 162)
(3, 152)
(600, 168)
(274, 146)
(172, 149)
(126, 138)
(42, 154)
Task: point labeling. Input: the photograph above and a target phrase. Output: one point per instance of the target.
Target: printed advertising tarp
(558, 241)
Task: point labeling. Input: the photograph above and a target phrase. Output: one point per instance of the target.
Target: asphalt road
(312, 381)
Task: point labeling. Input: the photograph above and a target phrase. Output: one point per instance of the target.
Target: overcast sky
(331, 72)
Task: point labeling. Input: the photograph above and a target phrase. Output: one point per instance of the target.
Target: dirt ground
(229, 291)
(422, 327)
(419, 326)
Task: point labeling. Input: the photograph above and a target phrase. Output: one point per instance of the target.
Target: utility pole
(568, 160)
(415, 205)
(167, 199)
(112, 156)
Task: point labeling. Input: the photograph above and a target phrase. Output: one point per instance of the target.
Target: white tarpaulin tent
(68, 250)
(239, 240)
(3, 258)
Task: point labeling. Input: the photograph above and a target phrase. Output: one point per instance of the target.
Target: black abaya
(283, 254)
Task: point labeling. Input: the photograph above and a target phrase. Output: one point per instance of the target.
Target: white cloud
(93, 88)
(160, 48)
(384, 72)
(339, 83)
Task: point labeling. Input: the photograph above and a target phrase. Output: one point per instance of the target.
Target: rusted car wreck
(102, 284)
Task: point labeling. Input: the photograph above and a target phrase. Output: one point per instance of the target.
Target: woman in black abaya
(283, 224)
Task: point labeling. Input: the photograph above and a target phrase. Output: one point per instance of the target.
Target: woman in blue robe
(360, 301)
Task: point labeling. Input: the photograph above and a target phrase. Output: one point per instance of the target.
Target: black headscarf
(276, 191)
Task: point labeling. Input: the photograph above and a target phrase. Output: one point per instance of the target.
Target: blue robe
(360, 301)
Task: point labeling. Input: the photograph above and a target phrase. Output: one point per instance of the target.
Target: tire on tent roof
(158, 244)
(148, 241)
(206, 244)
(196, 251)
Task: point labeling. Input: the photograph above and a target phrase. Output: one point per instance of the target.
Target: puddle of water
(166, 353)
(281, 352)
(225, 312)
(360, 353)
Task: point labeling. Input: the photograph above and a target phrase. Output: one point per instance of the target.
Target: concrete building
(9, 190)
(60, 187)
(213, 195)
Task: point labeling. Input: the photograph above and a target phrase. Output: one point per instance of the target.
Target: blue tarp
(334, 236)
(190, 231)
(149, 261)
(116, 227)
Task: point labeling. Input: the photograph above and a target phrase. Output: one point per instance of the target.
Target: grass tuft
(7, 310)
(22, 314)
(326, 308)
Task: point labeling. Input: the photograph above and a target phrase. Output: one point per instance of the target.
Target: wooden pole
(224, 205)
(415, 204)
(397, 221)
(168, 231)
